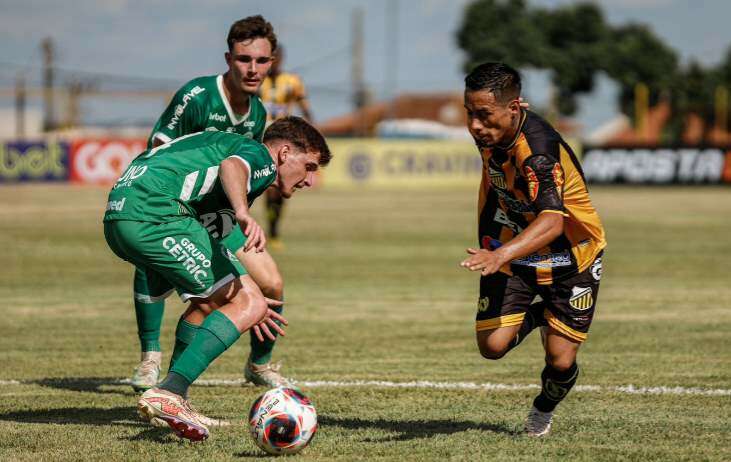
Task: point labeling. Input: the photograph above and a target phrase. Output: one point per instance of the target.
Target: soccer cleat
(205, 420)
(538, 423)
(172, 409)
(147, 372)
(266, 375)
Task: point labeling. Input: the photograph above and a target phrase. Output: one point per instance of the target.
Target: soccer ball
(282, 421)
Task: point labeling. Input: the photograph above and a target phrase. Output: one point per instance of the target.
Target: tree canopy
(575, 43)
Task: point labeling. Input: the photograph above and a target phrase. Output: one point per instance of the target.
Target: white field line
(422, 384)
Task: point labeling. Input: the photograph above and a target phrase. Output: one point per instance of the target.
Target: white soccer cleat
(207, 421)
(538, 423)
(266, 375)
(172, 409)
(147, 372)
(202, 418)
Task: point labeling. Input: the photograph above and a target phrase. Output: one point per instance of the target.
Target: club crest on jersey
(557, 173)
(483, 304)
(533, 184)
(581, 298)
(497, 179)
(596, 269)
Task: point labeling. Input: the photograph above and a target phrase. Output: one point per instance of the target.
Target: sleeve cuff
(248, 169)
(560, 212)
(162, 137)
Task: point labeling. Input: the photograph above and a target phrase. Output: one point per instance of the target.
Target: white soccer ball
(282, 421)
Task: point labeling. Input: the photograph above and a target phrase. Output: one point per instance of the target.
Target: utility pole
(391, 54)
(48, 54)
(20, 106)
(356, 73)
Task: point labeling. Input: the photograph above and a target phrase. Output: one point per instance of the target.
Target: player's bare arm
(541, 232)
(234, 176)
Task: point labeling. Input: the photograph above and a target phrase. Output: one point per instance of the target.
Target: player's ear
(227, 56)
(514, 106)
(284, 152)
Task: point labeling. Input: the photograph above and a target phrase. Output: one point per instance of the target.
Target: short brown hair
(250, 28)
(300, 133)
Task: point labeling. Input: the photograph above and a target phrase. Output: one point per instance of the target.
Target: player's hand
(485, 261)
(255, 237)
(269, 322)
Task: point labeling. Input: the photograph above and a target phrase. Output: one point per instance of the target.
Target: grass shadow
(255, 454)
(125, 416)
(415, 429)
(84, 384)
(116, 416)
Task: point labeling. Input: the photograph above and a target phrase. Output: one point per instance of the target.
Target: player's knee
(489, 350)
(252, 303)
(273, 286)
(560, 362)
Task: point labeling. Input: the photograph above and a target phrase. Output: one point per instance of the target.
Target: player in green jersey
(226, 103)
(152, 220)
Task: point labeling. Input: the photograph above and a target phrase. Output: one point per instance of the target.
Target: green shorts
(235, 239)
(179, 255)
(222, 225)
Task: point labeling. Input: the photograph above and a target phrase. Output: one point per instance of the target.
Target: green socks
(184, 335)
(261, 352)
(149, 319)
(149, 314)
(214, 336)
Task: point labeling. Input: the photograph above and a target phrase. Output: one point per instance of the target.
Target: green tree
(573, 45)
(488, 34)
(635, 55)
(574, 42)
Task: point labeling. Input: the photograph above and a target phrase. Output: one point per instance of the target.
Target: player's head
(299, 150)
(491, 98)
(251, 43)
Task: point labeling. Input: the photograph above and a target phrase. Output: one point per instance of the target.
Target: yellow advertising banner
(401, 163)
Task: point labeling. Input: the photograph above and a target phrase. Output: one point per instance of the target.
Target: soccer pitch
(381, 333)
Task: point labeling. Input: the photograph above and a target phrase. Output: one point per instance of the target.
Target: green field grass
(374, 292)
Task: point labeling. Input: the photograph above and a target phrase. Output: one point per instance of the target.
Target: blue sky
(176, 40)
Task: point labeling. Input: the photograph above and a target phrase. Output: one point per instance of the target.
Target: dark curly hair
(249, 28)
(300, 133)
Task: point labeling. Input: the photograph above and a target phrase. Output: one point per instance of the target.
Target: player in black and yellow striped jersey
(540, 236)
(281, 93)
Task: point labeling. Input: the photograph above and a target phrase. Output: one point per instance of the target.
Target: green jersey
(180, 178)
(201, 104)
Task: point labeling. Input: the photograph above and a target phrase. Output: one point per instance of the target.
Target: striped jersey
(280, 93)
(201, 104)
(538, 173)
(180, 178)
